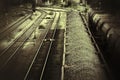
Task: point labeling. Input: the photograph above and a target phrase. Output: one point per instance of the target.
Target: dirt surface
(12, 14)
(82, 62)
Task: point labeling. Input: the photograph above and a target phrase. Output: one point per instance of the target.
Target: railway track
(12, 59)
(13, 33)
(7, 55)
(14, 47)
(38, 65)
(9, 52)
(29, 55)
(13, 26)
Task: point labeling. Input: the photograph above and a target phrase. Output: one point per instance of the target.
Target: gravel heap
(82, 62)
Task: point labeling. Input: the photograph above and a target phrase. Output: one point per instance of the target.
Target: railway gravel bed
(53, 70)
(40, 60)
(16, 63)
(82, 62)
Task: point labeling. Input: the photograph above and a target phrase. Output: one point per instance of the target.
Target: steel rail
(13, 26)
(12, 43)
(37, 52)
(26, 38)
(85, 21)
(48, 53)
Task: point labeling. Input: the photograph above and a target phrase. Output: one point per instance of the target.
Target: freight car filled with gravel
(81, 61)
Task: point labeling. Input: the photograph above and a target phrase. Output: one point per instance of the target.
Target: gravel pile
(81, 61)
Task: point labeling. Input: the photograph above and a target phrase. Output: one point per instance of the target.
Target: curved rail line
(44, 50)
(13, 42)
(8, 53)
(13, 26)
(11, 29)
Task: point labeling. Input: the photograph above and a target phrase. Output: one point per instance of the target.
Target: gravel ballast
(81, 61)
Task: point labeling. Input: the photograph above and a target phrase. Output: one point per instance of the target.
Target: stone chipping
(82, 62)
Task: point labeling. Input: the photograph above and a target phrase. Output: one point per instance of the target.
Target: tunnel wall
(109, 4)
(109, 39)
(6, 4)
(3, 5)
